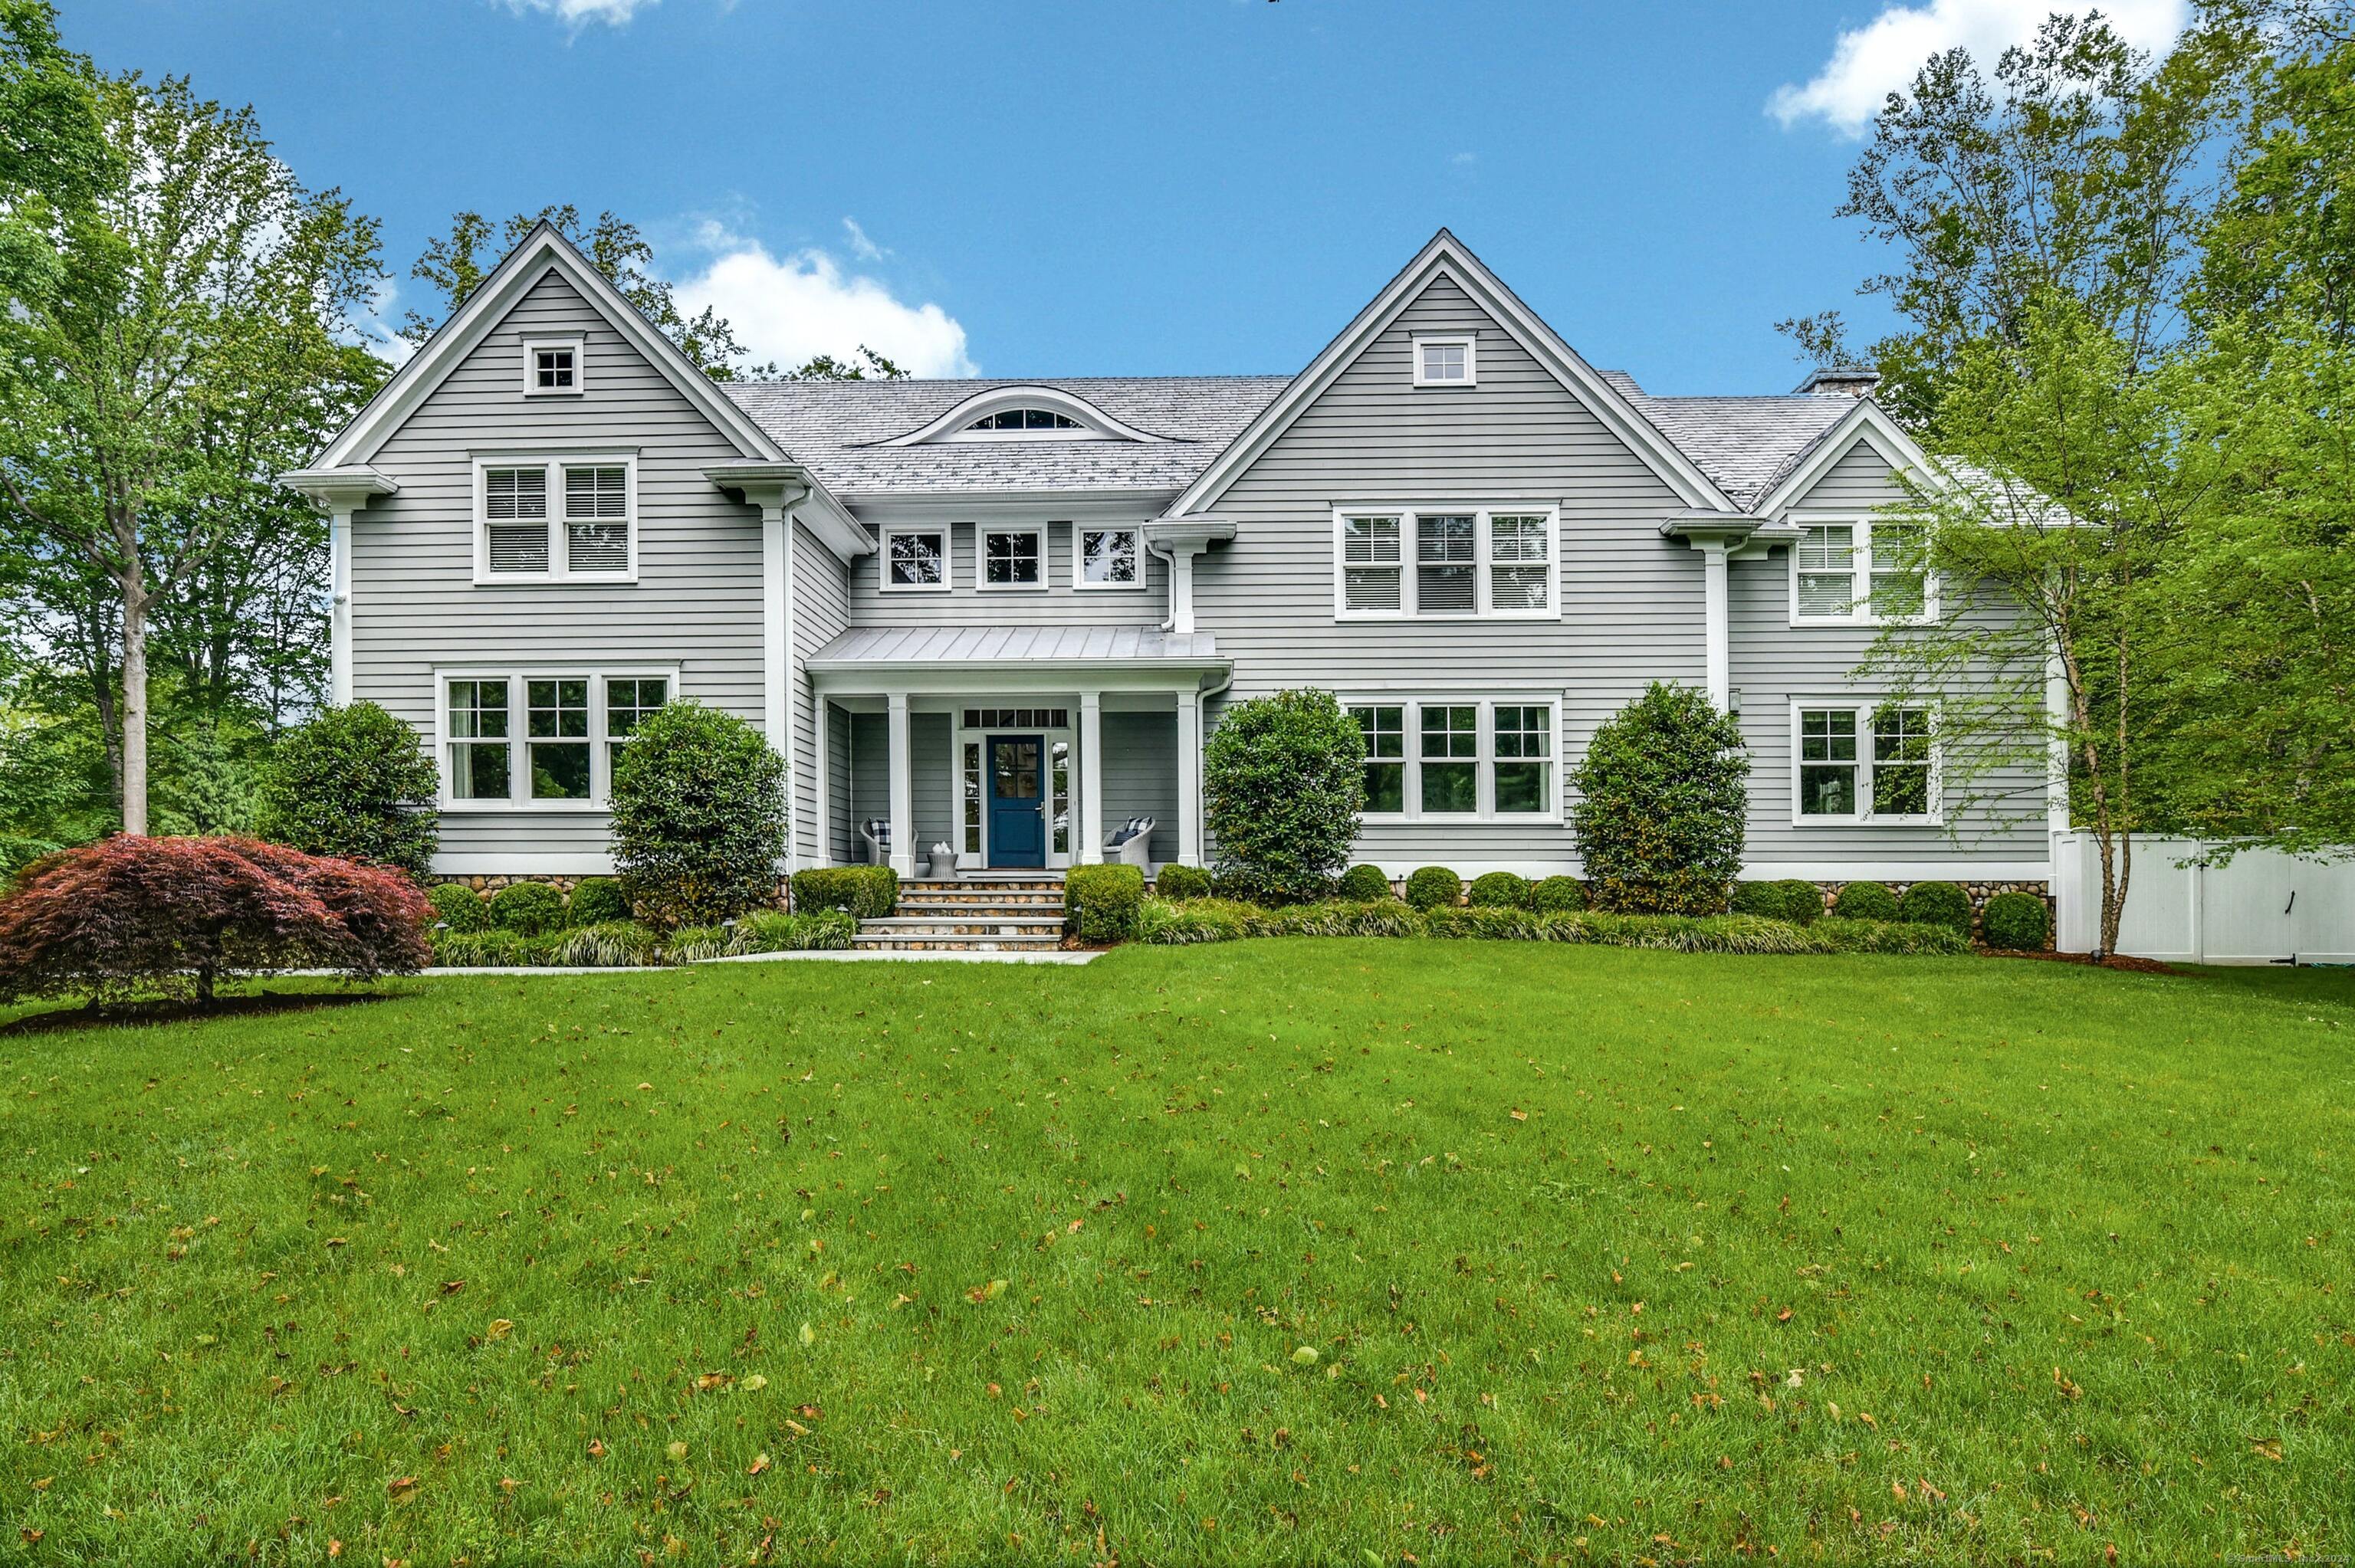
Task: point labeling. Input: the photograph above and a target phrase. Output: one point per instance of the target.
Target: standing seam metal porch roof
(873, 647)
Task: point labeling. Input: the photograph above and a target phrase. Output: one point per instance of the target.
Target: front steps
(982, 914)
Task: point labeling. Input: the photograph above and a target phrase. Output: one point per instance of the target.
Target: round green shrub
(698, 817)
(1364, 884)
(527, 908)
(1557, 893)
(1100, 901)
(1182, 882)
(1282, 782)
(1434, 887)
(596, 901)
(1661, 801)
(1865, 901)
(1802, 902)
(861, 892)
(2017, 922)
(1763, 898)
(459, 907)
(1498, 890)
(1936, 903)
(355, 783)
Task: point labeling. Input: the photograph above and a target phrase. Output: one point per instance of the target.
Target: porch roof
(1079, 649)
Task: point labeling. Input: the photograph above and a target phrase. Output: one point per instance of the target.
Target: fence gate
(2264, 907)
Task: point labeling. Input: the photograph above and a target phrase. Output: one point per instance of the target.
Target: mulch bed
(129, 1012)
(2114, 961)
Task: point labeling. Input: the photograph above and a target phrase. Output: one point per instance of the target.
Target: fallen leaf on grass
(754, 1383)
(760, 1463)
(500, 1327)
(401, 1487)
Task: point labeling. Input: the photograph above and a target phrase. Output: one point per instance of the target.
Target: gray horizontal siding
(821, 613)
(1056, 604)
(1140, 775)
(414, 604)
(1860, 479)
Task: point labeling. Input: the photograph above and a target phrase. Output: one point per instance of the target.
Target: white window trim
(531, 347)
(1859, 611)
(981, 532)
(1483, 559)
(558, 571)
(1468, 342)
(1864, 816)
(948, 558)
(1079, 532)
(516, 675)
(1485, 760)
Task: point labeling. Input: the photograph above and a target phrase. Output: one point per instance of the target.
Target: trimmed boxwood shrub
(2017, 922)
(355, 783)
(698, 817)
(1498, 890)
(1801, 903)
(1556, 895)
(1099, 902)
(527, 908)
(862, 892)
(1434, 887)
(1661, 804)
(1182, 882)
(1936, 903)
(459, 907)
(1282, 782)
(1363, 884)
(1865, 901)
(597, 901)
(175, 915)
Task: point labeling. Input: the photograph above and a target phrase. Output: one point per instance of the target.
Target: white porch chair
(876, 832)
(1131, 844)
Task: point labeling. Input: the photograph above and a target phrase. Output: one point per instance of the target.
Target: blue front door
(1018, 824)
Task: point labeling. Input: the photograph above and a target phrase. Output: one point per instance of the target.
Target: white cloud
(862, 247)
(1870, 62)
(578, 14)
(790, 308)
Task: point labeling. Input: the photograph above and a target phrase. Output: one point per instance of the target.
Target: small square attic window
(1445, 361)
(551, 369)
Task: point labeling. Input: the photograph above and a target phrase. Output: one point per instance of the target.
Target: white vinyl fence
(2263, 907)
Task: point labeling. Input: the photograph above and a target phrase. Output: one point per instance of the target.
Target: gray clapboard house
(1003, 614)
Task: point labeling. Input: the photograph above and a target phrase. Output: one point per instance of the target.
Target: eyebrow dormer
(1023, 413)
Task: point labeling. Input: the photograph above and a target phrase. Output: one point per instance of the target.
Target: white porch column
(339, 625)
(776, 655)
(1091, 831)
(1190, 777)
(1718, 633)
(822, 848)
(903, 790)
(2056, 746)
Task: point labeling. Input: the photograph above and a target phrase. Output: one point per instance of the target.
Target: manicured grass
(1280, 1251)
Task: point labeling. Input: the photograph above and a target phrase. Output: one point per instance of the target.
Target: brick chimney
(1841, 381)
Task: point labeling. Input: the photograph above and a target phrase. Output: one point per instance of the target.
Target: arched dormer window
(1023, 413)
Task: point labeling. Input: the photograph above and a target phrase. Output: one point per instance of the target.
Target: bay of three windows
(541, 739)
(916, 559)
(1452, 757)
(1446, 562)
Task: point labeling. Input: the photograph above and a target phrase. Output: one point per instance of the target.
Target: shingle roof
(1746, 444)
(968, 645)
(836, 428)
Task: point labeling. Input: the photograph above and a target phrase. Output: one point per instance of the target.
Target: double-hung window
(552, 521)
(1109, 558)
(1013, 557)
(1444, 563)
(915, 560)
(1864, 763)
(1456, 759)
(540, 738)
(1860, 571)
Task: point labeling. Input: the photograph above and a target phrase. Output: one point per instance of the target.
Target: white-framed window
(1860, 571)
(1023, 421)
(539, 738)
(1109, 558)
(1452, 360)
(1013, 558)
(915, 560)
(556, 520)
(1444, 562)
(1459, 759)
(554, 368)
(1864, 763)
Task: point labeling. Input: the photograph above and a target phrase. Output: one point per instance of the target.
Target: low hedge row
(1099, 902)
(862, 892)
(1180, 924)
(528, 908)
(625, 944)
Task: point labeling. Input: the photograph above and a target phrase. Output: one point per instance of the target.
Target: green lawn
(1309, 1250)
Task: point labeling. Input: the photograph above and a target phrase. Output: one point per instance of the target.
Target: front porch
(1020, 748)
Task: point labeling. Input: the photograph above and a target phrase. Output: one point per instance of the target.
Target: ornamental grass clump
(1662, 797)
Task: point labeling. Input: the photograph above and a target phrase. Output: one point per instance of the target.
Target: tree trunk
(135, 698)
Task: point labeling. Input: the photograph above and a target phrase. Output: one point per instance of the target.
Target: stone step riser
(965, 928)
(983, 905)
(950, 945)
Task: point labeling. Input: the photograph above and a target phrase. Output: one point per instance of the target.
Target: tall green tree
(204, 303)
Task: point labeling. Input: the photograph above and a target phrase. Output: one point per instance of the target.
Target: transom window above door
(562, 520)
(1393, 564)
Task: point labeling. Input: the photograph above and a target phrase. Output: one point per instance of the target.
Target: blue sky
(1117, 186)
